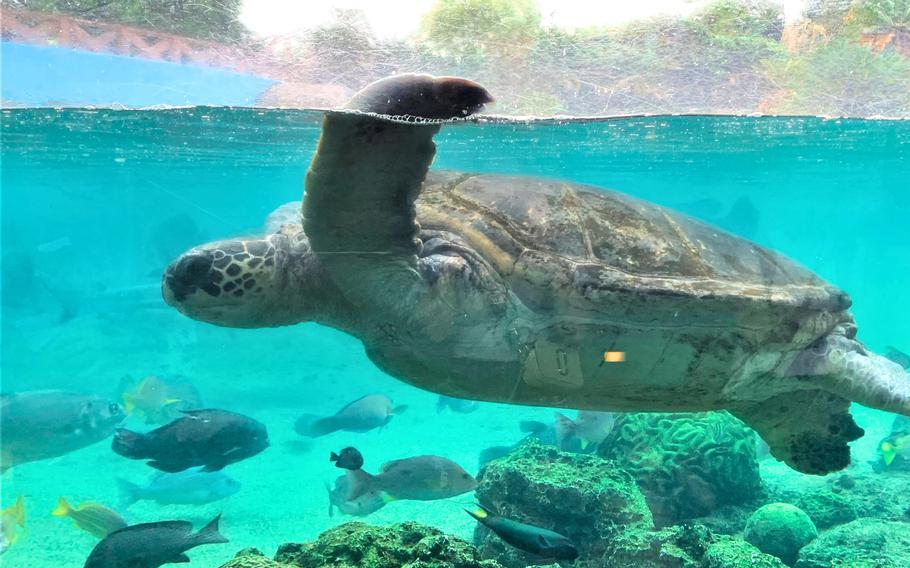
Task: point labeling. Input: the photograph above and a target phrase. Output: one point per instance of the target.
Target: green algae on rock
(687, 464)
(583, 497)
(683, 546)
(252, 558)
(404, 545)
(780, 529)
(826, 508)
(736, 553)
(863, 543)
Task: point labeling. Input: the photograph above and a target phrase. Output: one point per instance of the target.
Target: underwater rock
(780, 529)
(826, 508)
(880, 495)
(687, 464)
(671, 547)
(684, 546)
(586, 498)
(736, 553)
(252, 558)
(404, 545)
(863, 543)
(727, 520)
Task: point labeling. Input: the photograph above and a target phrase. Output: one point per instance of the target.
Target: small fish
(362, 415)
(348, 458)
(149, 399)
(93, 518)
(460, 405)
(55, 245)
(536, 540)
(894, 446)
(590, 428)
(211, 438)
(361, 506)
(12, 521)
(492, 454)
(420, 478)
(38, 425)
(190, 487)
(151, 545)
(541, 431)
(898, 356)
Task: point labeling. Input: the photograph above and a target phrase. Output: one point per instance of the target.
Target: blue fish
(188, 487)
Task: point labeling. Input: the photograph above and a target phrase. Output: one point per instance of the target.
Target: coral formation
(586, 498)
(826, 508)
(683, 546)
(863, 543)
(687, 464)
(252, 558)
(883, 495)
(404, 545)
(735, 553)
(780, 529)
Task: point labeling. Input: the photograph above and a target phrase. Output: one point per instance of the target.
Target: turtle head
(243, 282)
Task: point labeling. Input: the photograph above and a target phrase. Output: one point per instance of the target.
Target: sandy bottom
(273, 376)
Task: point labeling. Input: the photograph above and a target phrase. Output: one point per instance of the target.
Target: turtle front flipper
(808, 430)
(358, 207)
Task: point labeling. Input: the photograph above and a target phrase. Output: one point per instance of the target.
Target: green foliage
(842, 78)
(401, 545)
(344, 49)
(466, 29)
(204, 19)
(727, 18)
(728, 57)
(883, 13)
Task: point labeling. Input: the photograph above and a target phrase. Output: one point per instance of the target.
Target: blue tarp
(53, 76)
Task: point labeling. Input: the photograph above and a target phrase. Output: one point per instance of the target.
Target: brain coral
(687, 464)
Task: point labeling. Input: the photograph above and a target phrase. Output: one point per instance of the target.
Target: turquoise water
(96, 203)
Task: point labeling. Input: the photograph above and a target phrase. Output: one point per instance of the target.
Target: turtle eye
(114, 409)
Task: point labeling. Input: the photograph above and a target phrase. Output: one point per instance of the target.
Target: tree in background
(893, 14)
(344, 50)
(214, 20)
(480, 29)
(843, 78)
(861, 68)
(845, 57)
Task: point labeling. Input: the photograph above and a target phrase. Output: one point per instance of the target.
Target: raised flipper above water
(358, 207)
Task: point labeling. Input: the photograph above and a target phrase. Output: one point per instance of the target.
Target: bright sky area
(396, 19)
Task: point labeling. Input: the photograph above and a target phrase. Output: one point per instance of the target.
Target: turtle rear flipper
(808, 430)
(841, 364)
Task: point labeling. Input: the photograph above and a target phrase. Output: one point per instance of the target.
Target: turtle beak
(186, 275)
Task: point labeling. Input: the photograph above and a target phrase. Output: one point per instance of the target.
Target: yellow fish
(12, 520)
(894, 446)
(93, 518)
(149, 399)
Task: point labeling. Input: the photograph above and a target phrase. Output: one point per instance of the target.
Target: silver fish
(188, 487)
(38, 425)
(362, 415)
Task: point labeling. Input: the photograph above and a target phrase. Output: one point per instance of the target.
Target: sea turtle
(539, 292)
